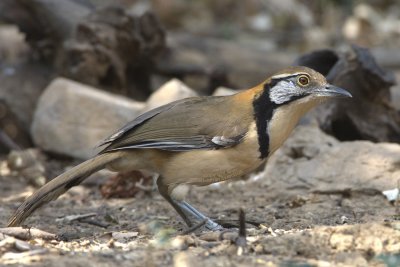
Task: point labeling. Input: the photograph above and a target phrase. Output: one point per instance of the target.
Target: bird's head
(300, 84)
(283, 99)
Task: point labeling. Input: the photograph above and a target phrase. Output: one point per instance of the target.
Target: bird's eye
(303, 80)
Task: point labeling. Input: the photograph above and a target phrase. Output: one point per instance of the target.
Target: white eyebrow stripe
(287, 75)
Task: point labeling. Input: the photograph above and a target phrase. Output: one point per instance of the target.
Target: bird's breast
(282, 123)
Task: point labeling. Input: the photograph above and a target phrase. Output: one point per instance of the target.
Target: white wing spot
(222, 140)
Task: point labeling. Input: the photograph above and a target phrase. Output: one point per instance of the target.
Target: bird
(201, 140)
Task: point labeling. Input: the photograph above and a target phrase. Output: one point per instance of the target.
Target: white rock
(391, 195)
(222, 91)
(124, 236)
(171, 91)
(13, 45)
(261, 22)
(72, 118)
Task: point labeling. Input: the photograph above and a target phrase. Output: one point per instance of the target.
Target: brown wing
(191, 123)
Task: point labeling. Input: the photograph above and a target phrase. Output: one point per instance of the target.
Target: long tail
(60, 185)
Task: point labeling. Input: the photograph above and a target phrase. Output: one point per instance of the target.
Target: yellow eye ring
(303, 80)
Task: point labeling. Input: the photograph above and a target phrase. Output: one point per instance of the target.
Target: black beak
(332, 91)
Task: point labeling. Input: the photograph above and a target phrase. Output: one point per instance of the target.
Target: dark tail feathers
(60, 185)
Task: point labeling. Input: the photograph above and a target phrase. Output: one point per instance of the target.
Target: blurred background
(132, 48)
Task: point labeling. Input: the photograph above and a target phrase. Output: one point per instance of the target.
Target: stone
(124, 236)
(333, 165)
(28, 164)
(72, 118)
(171, 91)
(341, 241)
(12, 46)
(222, 91)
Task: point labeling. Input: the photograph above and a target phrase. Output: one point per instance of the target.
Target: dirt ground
(289, 226)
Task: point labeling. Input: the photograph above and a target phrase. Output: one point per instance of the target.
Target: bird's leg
(185, 210)
(210, 224)
(163, 189)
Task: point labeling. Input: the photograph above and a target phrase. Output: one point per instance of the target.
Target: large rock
(312, 159)
(71, 118)
(224, 91)
(169, 92)
(114, 50)
(368, 115)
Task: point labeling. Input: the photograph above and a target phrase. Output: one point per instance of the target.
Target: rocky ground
(319, 202)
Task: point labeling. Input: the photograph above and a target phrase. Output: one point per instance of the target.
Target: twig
(397, 202)
(94, 222)
(27, 233)
(71, 218)
(347, 192)
(235, 223)
(194, 227)
(241, 239)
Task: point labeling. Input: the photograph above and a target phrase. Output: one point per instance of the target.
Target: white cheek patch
(283, 91)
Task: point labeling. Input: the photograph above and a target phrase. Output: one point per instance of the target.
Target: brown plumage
(201, 140)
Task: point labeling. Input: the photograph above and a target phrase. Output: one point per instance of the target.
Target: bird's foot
(213, 226)
(209, 224)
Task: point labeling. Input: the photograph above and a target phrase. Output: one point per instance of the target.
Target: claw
(213, 226)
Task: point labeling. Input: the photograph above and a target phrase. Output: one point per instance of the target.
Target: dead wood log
(369, 114)
(45, 23)
(220, 62)
(115, 50)
(107, 47)
(12, 134)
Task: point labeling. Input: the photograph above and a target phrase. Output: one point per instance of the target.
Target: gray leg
(190, 210)
(185, 210)
(163, 189)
